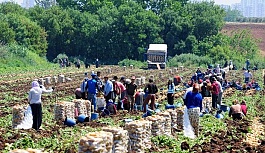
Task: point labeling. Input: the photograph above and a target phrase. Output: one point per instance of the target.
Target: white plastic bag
(28, 119)
(188, 129)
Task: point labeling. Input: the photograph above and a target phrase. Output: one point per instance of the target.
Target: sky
(225, 2)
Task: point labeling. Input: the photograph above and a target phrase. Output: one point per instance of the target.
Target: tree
(232, 15)
(207, 19)
(28, 33)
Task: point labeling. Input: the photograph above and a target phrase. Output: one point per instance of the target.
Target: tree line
(113, 30)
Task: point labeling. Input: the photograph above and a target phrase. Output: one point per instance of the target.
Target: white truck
(157, 56)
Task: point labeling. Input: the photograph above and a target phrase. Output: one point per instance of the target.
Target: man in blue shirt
(194, 106)
(108, 89)
(92, 87)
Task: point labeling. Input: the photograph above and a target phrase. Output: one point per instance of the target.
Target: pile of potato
(64, 109)
(18, 115)
(120, 139)
(140, 137)
(96, 142)
(158, 123)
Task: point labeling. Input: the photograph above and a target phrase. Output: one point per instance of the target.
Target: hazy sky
(226, 2)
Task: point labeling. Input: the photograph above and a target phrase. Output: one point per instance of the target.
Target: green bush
(15, 57)
(128, 62)
(189, 60)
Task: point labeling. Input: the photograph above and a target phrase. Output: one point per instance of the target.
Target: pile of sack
(93, 142)
(139, 135)
(120, 139)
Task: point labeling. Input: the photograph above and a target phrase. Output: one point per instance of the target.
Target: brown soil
(256, 29)
(231, 140)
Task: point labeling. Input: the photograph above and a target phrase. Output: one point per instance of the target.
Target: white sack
(188, 129)
(28, 119)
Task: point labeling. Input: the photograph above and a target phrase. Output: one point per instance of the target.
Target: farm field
(216, 135)
(256, 29)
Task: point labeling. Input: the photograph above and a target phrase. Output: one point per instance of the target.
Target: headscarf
(35, 84)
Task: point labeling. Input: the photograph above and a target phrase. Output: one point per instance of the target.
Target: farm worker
(244, 107)
(205, 90)
(177, 80)
(34, 99)
(78, 64)
(215, 92)
(194, 77)
(247, 76)
(217, 69)
(99, 81)
(170, 92)
(194, 106)
(83, 87)
(139, 97)
(198, 70)
(131, 89)
(116, 88)
(108, 89)
(226, 64)
(236, 111)
(122, 93)
(220, 95)
(152, 90)
(92, 88)
(97, 63)
(231, 65)
(78, 94)
(247, 64)
(110, 109)
(184, 96)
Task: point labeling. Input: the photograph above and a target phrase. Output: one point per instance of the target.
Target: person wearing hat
(215, 92)
(131, 89)
(170, 92)
(83, 87)
(92, 88)
(194, 106)
(152, 90)
(108, 89)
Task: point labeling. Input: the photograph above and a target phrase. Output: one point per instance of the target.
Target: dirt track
(257, 30)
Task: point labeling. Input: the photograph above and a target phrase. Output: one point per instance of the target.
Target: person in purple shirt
(194, 106)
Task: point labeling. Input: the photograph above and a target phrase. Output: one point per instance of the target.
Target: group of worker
(118, 93)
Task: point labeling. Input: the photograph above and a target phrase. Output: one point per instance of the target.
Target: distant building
(28, 3)
(248, 8)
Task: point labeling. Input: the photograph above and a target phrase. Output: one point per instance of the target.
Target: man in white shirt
(248, 76)
(108, 89)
